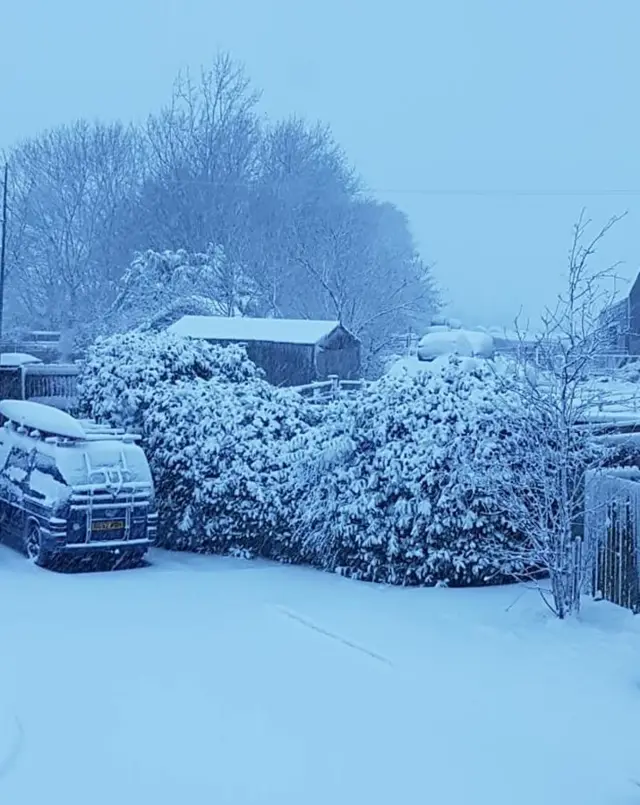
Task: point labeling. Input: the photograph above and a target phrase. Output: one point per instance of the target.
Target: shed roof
(240, 328)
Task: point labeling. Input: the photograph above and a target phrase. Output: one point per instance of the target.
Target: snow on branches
(124, 373)
(157, 282)
(392, 483)
(217, 451)
(464, 473)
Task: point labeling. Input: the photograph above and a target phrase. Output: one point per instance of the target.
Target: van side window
(19, 458)
(47, 465)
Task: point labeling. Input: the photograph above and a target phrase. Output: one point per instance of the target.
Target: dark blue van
(71, 488)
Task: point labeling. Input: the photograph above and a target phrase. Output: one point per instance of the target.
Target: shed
(292, 352)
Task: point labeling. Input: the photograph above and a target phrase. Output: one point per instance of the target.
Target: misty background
(490, 123)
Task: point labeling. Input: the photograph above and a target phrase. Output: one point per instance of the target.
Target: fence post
(335, 386)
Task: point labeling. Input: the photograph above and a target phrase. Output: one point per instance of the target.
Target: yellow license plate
(107, 525)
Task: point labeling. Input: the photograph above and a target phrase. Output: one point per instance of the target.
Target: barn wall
(299, 364)
(339, 355)
(283, 364)
(345, 363)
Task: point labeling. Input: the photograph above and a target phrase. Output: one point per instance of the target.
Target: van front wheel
(33, 547)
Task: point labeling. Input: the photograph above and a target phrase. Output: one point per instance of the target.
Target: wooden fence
(323, 391)
(612, 520)
(54, 384)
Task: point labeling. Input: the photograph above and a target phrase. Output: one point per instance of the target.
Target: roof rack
(96, 431)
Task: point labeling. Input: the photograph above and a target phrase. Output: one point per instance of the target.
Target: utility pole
(3, 247)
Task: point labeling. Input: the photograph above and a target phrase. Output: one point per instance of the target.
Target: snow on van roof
(17, 359)
(240, 328)
(43, 418)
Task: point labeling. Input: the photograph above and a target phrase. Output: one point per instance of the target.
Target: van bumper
(104, 546)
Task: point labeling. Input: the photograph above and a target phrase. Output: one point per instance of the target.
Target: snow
(413, 366)
(442, 341)
(15, 359)
(42, 417)
(47, 486)
(78, 464)
(221, 328)
(205, 680)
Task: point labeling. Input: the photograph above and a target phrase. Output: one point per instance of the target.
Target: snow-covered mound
(412, 366)
(440, 340)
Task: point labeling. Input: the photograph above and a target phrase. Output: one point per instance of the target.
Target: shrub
(123, 373)
(217, 455)
(391, 485)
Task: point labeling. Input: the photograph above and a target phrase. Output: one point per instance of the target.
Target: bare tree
(367, 273)
(72, 189)
(303, 179)
(550, 446)
(202, 151)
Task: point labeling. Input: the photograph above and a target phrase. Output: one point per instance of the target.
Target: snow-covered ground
(205, 680)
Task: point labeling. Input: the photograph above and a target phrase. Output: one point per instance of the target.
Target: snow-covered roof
(17, 359)
(42, 417)
(240, 328)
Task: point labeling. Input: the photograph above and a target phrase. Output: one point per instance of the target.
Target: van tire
(33, 548)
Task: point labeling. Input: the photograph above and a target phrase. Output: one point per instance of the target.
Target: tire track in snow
(8, 762)
(333, 636)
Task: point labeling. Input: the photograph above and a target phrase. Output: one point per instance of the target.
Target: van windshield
(102, 462)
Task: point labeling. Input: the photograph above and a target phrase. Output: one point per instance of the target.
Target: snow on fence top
(239, 328)
(15, 359)
(43, 418)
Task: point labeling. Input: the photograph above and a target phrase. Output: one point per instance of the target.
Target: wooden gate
(612, 517)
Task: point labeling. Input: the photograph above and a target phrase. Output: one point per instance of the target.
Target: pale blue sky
(497, 97)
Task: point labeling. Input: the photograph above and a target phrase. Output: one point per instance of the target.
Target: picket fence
(611, 536)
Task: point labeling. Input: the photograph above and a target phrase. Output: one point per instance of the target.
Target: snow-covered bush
(218, 459)
(391, 486)
(123, 373)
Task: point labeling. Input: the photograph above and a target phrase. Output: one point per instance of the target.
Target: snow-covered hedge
(217, 452)
(393, 486)
(123, 373)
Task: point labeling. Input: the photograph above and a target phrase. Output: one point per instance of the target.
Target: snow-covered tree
(158, 282)
(556, 399)
(72, 192)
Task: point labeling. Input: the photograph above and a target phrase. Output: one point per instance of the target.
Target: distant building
(292, 352)
(42, 344)
(616, 326)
